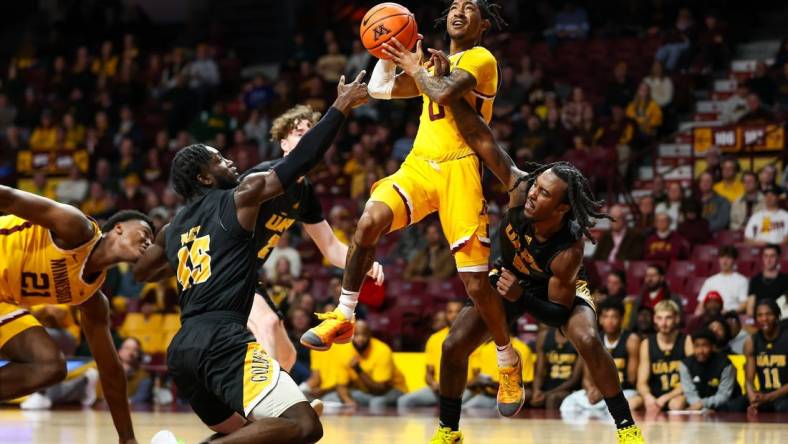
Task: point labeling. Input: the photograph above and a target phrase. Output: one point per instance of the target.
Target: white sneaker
(89, 397)
(166, 437)
(36, 401)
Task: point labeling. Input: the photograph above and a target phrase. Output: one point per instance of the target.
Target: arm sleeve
(381, 83)
(310, 149)
(479, 62)
(687, 385)
(724, 391)
(310, 211)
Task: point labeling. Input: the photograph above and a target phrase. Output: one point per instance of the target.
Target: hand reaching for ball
(439, 61)
(351, 95)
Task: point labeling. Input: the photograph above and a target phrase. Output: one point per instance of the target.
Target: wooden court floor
(94, 427)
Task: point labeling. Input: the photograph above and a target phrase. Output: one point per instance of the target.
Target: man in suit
(620, 243)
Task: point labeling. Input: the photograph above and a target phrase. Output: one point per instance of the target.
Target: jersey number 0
(197, 255)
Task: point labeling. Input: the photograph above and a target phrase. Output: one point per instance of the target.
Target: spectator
(713, 163)
(771, 283)
(42, 186)
(44, 136)
(644, 321)
(738, 335)
(404, 144)
(750, 202)
(762, 84)
(531, 142)
(203, 72)
(708, 378)
(716, 209)
(658, 189)
(571, 22)
(645, 221)
(74, 133)
(558, 370)
(131, 196)
(620, 243)
(770, 225)
(107, 62)
(99, 203)
(614, 287)
(129, 162)
(439, 321)
(572, 113)
(655, 290)
(210, 124)
(434, 262)
(372, 379)
(660, 85)
(661, 354)
(722, 333)
(767, 177)
(358, 60)
(645, 112)
(484, 381)
(74, 189)
(712, 308)
(675, 44)
(621, 90)
(712, 45)
(512, 94)
(672, 205)
(693, 228)
(757, 113)
(285, 251)
(331, 65)
(7, 113)
(624, 347)
(766, 352)
(732, 286)
(665, 244)
(730, 187)
(127, 127)
(736, 106)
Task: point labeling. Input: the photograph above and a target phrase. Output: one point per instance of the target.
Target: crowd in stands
(703, 258)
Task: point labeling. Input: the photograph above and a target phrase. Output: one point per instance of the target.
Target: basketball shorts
(220, 369)
(516, 309)
(14, 320)
(452, 188)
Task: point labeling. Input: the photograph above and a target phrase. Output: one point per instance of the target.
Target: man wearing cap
(732, 286)
(712, 308)
(770, 225)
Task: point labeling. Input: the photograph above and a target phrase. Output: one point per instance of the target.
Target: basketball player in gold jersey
(51, 253)
(441, 174)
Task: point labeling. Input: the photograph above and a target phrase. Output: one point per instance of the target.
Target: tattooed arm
(441, 89)
(480, 138)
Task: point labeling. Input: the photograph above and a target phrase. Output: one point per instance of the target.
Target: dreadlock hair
(187, 164)
(490, 11)
(578, 193)
(125, 216)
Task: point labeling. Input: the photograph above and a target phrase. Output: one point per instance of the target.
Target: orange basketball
(386, 21)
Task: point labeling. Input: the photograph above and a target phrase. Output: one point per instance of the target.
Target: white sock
(347, 303)
(506, 355)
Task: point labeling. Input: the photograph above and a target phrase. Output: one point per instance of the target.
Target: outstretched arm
(95, 324)
(70, 227)
(256, 188)
(153, 265)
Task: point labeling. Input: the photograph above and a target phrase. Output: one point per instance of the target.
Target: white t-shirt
(732, 287)
(768, 226)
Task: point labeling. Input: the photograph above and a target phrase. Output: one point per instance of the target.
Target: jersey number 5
(197, 255)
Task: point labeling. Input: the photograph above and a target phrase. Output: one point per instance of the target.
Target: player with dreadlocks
(540, 272)
(441, 174)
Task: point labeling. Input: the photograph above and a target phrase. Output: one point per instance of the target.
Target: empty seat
(706, 252)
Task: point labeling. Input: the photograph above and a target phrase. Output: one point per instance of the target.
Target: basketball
(386, 21)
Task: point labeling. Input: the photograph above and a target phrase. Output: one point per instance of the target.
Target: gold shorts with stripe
(14, 320)
(452, 188)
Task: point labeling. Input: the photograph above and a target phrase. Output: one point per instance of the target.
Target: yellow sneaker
(630, 435)
(445, 435)
(511, 395)
(335, 328)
